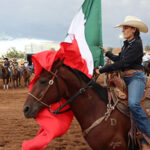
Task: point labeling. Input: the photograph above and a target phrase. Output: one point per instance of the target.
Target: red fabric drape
(54, 125)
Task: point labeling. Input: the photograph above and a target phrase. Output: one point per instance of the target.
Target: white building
(36, 47)
(27, 45)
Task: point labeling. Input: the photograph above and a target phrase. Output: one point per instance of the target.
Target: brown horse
(88, 105)
(147, 67)
(5, 75)
(15, 76)
(26, 75)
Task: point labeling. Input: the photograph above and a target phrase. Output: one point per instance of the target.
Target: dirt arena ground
(14, 128)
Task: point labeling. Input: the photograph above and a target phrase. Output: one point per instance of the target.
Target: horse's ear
(62, 61)
(58, 63)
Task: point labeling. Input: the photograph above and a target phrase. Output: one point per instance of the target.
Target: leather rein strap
(80, 91)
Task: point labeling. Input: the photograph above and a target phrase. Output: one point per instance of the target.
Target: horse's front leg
(28, 82)
(4, 84)
(17, 83)
(25, 82)
(7, 83)
(14, 83)
(10, 82)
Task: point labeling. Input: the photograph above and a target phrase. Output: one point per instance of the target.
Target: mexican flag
(87, 29)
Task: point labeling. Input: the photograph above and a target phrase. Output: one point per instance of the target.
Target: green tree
(53, 49)
(13, 53)
(147, 47)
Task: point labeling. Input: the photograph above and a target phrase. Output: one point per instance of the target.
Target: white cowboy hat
(134, 22)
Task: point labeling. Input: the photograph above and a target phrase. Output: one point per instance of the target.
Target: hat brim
(137, 24)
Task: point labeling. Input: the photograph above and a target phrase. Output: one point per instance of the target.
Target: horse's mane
(101, 91)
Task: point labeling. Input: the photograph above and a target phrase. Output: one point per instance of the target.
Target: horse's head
(2, 68)
(147, 66)
(47, 89)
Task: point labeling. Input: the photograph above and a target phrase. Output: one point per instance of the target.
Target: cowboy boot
(145, 147)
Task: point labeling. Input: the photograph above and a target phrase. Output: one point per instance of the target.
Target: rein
(80, 91)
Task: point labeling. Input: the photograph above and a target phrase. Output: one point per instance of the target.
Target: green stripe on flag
(93, 29)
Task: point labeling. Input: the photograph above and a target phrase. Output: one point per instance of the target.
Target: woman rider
(130, 58)
(7, 64)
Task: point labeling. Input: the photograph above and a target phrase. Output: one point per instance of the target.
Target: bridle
(50, 83)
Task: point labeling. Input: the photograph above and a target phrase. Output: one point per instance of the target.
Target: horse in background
(26, 74)
(15, 76)
(147, 67)
(5, 75)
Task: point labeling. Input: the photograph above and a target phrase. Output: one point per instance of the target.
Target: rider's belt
(129, 73)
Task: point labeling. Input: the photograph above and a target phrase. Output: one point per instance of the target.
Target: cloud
(37, 18)
(50, 20)
(114, 12)
(6, 37)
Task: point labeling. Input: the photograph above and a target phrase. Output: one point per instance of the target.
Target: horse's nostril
(26, 109)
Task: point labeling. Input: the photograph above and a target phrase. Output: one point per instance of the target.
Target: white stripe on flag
(77, 28)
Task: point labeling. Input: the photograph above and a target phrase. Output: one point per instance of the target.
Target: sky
(50, 19)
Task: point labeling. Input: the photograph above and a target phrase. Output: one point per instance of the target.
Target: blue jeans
(136, 86)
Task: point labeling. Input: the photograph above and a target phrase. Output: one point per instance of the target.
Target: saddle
(118, 91)
(116, 82)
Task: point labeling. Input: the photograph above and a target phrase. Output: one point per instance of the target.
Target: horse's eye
(42, 81)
